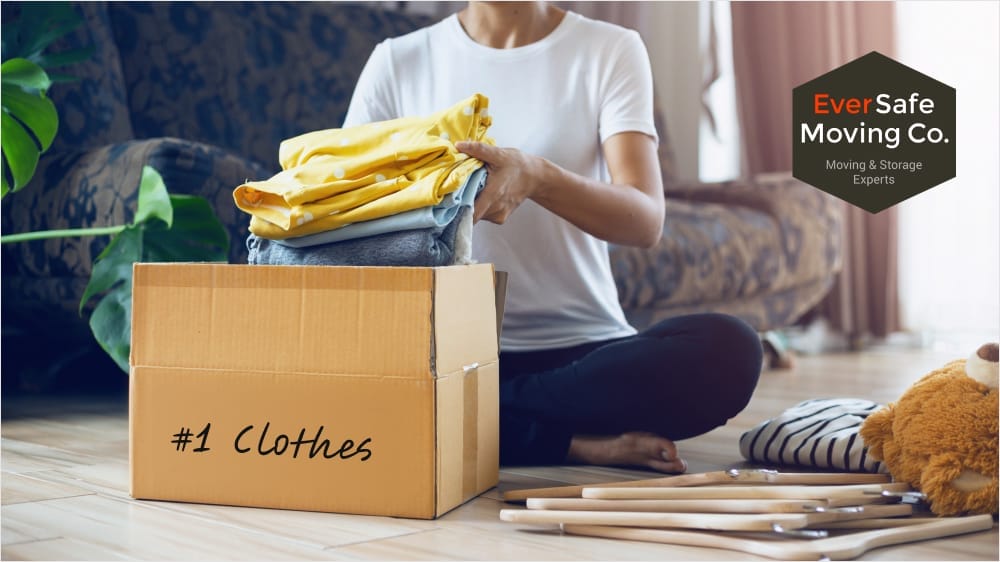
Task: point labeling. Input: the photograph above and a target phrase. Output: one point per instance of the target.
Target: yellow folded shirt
(387, 200)
(334, 177)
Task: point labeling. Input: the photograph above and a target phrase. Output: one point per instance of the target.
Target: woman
(574, 168)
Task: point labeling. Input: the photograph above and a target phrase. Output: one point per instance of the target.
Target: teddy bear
(941, 435)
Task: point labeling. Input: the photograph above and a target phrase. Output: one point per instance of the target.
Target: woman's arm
(627, 211)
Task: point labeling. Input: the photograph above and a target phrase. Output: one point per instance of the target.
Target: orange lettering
(854, 106)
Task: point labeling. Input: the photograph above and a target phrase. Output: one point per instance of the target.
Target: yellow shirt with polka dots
(335, 177)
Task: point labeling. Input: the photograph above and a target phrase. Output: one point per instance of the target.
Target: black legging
(679, 378)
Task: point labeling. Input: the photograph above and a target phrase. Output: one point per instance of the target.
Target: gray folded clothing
(428, 247)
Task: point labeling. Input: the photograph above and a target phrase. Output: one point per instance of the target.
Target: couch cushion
(245, 76)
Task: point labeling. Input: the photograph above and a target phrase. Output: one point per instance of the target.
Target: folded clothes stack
(387, 193)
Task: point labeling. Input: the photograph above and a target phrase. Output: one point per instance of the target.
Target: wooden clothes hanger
(705, 506)
(745, 492)
(719, 477)
(844, 547)
(765, 522)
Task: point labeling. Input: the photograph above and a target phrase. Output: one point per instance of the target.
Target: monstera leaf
(166, 228)
(29, 120)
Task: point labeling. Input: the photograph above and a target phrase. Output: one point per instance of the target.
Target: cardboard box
(345, 389)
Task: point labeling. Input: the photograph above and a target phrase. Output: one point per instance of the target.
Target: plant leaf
(114, 264)
(154, 201)
(63, 58)
(24, 73)
(196, 235)
(44, 22)
(20, 153)
(111, 323)
(62, 78)
(9, 39)
(34, 110)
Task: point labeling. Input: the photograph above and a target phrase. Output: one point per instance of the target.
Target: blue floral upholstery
(92, 111)
(245, 76)
(99, 187)
(204, 92)
(765, 251)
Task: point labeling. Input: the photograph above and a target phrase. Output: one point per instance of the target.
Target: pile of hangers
(787, 516)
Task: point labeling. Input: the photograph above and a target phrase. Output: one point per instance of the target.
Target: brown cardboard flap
(464, 310)
(467, 434)
(500, 296)
(283, 319)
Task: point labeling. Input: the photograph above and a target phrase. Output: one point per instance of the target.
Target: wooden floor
(65, 478)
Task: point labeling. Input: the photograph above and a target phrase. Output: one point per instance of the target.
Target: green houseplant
(165, 227)
(29, 120)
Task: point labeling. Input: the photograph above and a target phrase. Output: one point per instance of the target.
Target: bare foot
(628, 449)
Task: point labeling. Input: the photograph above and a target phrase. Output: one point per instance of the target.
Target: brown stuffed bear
(941, 436)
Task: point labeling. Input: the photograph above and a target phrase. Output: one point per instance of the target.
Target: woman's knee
(682, 377)
(710, 364)
(731, 356)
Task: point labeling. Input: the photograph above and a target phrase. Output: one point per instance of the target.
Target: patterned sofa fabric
(204, 93)
(708, 252)
(100, 188)
(765, 250)
(92, 109)
(245, 75)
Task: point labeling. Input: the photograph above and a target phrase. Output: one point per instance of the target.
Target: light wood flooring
(65, 491)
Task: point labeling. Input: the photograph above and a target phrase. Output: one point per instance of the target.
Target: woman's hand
(513, 177)
(628, 211)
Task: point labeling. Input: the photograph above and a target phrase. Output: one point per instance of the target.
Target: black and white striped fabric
(820, 433)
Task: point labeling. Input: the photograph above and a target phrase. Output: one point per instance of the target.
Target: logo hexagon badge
(873, 132)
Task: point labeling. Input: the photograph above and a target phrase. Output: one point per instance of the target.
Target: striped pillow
(820, 433)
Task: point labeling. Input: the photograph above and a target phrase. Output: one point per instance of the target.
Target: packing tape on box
(470, 430)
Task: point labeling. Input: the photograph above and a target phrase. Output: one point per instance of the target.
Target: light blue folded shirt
(439, 215)
(427, 247)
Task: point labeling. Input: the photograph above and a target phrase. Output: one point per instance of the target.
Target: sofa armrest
(99, 187)
(811, 221)
(733, 242)
(734, 192)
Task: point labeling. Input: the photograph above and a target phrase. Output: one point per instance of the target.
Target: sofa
(205, 92)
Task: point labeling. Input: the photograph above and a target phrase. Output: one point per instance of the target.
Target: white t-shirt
(559, 98)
